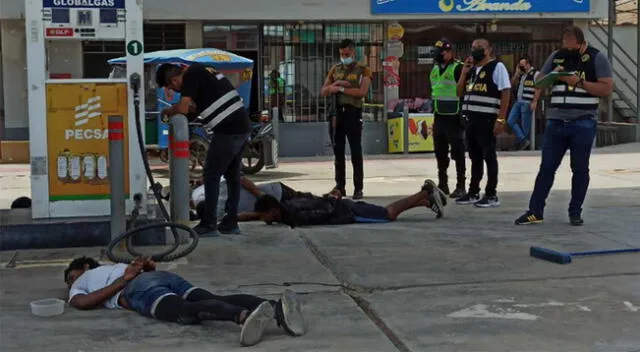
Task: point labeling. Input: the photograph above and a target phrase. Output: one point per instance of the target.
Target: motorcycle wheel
(252, 153)
(198, 147)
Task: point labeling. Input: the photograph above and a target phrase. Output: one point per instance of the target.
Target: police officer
(526, 101)
(277, 94)
(487, 88)
(220, 109)
(571, 122)
(447, 127)
(350, 80)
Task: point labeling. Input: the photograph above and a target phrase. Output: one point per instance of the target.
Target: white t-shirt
(98, 278)
(247, 200)
(500, 76)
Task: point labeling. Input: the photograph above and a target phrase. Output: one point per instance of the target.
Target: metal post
(610, 23)
(405, 129)
(638, 63)
(275, 122)
(532, 137)
(179, 172)
(116, 175)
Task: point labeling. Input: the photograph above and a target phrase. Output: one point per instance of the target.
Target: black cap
(443, 44)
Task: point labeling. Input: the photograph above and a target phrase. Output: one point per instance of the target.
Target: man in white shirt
(486, 89)
(168, 297)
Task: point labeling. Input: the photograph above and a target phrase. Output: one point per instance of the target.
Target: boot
(443, 182)
(460, 190)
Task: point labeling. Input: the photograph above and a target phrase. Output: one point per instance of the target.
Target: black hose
(167, 255)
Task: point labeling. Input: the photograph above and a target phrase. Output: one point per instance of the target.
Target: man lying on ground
(249, 194)
(168, 297)
(306, 209)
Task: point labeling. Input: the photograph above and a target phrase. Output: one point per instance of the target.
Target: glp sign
(383, 7)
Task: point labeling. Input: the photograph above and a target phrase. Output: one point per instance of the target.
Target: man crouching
(168, 297)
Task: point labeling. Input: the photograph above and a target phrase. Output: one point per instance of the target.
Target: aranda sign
(384, 7)
(86, 4)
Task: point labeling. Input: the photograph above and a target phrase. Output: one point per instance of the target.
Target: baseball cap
(443, 44)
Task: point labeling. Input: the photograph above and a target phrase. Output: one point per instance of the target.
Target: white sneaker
(292, 321)
(255, 324)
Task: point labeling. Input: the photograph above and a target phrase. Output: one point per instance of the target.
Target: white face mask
(347, 60)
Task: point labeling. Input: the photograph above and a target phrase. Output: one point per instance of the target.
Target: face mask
(439, 58)
(347, 60)
(478, 55)
(522, 69)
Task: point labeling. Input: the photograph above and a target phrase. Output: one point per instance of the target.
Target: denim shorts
(145, 291)
(366, 212)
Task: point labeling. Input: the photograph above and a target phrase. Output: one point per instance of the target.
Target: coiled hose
(168, 255)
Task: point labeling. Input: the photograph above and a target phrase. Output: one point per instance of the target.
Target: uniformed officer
(350, 80)
(487, 88)
(571, 122)
(526, 101)
(448, 128)
(277, 94)
(220, 110)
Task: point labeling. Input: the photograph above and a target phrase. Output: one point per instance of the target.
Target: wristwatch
(500, 120)
(341, 89)
(580, 83)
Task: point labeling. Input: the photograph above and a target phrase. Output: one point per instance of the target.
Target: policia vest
(352, 74)
(482, 97)
(444, 90)
(568, 97)
(528, 88)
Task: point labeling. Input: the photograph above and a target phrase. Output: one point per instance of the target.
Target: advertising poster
(420, 133)
(395, 132)
(78, 138)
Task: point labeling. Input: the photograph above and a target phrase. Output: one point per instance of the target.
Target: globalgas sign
(384, 7)
(85, 4)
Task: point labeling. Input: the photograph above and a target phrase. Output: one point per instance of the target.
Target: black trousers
(348, 126)
(448, 130)
(481, 144)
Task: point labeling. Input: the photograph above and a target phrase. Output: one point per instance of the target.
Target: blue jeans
(560, 135)
(146, 290)
(223, 158)
(520, 119)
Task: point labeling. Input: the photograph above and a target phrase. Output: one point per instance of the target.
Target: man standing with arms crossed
(572, 121)
(220, 109)
(350, 81)
(448, 128)
(485, 82)
(526, 101)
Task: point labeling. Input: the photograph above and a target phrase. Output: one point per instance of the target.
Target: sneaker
(437, 190)
(435, 198)
(444, 187)
(529, 218)
(254, 325)
(488, 202)
(206, 230)
(289, 314)
(228, 227)
(458, 193)
(468, 198)
(576, 220)
(524, 144)
(357, 195)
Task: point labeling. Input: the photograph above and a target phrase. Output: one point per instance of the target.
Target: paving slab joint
(366, 307)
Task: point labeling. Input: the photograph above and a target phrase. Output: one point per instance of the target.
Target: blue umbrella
(217, 58)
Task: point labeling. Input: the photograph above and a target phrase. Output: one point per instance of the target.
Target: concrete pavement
(463, 283)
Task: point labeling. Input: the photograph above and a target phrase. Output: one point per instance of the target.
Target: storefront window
(303, 53)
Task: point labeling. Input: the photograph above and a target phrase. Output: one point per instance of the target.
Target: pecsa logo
(85, 113)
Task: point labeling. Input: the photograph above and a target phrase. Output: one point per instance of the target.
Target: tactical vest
(568, 97)
(444, 90)
(482, 97)
(352, 74)
(280, 85)
(529, 89)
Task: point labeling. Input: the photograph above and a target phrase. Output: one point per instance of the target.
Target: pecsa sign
(85, 4)
(59, 32)
(459, 7)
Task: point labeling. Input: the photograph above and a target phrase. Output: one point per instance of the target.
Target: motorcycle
(253, 157)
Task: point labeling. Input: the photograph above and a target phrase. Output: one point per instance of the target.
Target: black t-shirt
(214, 95)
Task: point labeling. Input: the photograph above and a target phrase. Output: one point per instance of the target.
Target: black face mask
(522, 69)
(478, 55)
(570, 54)
(439, 58)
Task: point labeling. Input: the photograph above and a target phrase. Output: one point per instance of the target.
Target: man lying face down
(305, 209)
(168, 297)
